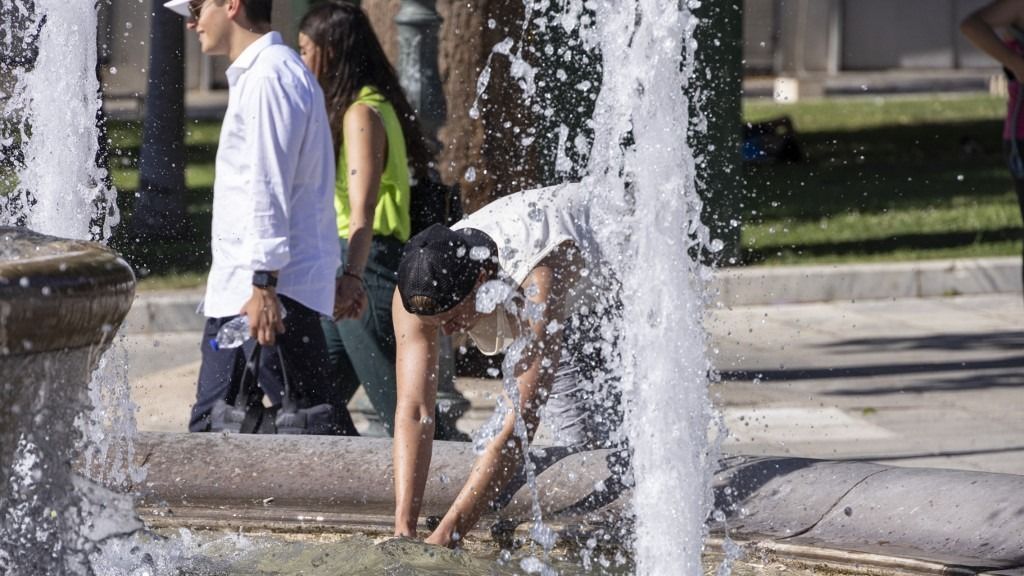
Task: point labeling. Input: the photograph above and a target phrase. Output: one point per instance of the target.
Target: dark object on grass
(771, 141)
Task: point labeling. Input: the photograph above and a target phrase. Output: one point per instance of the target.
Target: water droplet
(479, 253)
(470, 174)
(113, 70)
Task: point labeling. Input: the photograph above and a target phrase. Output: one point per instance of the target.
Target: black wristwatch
(264, 279)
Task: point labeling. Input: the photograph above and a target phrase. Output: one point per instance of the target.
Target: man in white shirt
(274, 241)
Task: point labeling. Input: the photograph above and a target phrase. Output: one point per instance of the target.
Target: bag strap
(245, 387)
(288, 402)
(248, 386)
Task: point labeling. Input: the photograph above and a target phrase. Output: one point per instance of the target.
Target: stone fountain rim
(63, 294)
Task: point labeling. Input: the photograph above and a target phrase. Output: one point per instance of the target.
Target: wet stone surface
(195, 553)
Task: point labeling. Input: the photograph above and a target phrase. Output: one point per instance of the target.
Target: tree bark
(492, 145)
(159, 211)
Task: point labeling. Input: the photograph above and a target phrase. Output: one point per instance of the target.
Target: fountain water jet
(61, 301)
(645, 209)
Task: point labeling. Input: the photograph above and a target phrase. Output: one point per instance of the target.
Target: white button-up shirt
(273, 192)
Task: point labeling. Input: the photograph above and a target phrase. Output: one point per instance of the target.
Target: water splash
(55, 519)
(641, 151)
(50, 128)
(642, 177)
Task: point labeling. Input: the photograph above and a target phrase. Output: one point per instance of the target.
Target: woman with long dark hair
(379, 149)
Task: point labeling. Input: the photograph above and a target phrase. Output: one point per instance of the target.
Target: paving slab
(892, 384)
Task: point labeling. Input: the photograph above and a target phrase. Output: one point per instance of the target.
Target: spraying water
(646, 214)
(55, 519)
(664, 365)
(646, 211)
(61, 190)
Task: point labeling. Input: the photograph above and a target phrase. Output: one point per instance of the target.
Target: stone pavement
(927, 382)
(871, 410)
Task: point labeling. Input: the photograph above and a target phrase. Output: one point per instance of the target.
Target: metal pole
(418, 25)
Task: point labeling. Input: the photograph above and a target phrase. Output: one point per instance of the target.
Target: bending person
(377, 144)
(511, 276)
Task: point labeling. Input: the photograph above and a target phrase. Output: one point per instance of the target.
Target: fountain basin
(793, 510)
(58, 294)
(61, 302)
(344, 484)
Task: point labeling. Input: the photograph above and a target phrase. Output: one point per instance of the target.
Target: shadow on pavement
(871, 370)
(1013, 340)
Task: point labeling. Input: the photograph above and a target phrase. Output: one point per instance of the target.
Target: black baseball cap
(442, 265)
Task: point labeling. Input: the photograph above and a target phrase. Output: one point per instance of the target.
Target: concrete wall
(880, 34)
(794, 37)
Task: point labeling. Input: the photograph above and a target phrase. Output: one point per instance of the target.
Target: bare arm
(980, 28)
(366, 146)
(500, 460)
(416, 365)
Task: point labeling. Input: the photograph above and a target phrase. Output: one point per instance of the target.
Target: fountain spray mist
(646, 168)
(61, 189)
(646, 213)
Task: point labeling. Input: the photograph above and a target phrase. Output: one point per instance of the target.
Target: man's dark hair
(258, 11)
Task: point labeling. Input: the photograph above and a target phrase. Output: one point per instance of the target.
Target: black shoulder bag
(249, 416)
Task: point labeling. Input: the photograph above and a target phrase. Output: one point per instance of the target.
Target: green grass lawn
(883, 179)
(180, 264)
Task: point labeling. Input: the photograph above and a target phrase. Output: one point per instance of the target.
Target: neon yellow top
(391, 216)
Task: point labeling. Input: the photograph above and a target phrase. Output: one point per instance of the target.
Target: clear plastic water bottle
(234, 333)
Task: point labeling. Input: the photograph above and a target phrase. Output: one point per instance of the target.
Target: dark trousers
(362, 352)
(305, 352)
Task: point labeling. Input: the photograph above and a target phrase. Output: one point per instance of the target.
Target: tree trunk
(159, 212)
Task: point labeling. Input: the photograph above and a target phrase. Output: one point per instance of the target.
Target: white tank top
(527, 227)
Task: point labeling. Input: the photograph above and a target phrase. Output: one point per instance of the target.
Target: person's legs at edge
(304, 349)
(219, 374)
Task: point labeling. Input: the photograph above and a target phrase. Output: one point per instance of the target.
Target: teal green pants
(362, 352)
